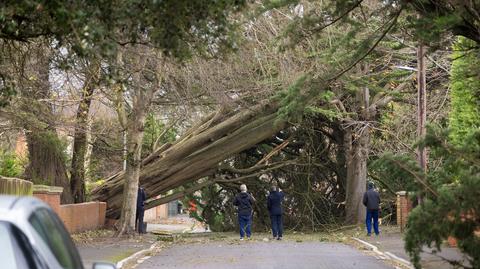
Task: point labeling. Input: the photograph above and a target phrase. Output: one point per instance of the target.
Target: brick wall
(84, 216)
(404, 206)
(75, 217)
(50, 195)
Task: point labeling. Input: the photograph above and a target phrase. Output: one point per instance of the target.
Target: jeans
(245, 223)
(277, 225)
(372, 214)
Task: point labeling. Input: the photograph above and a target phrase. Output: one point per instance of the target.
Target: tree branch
(369, 50)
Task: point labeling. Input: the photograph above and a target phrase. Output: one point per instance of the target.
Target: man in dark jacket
(244, 201)
(141, 198)
(274, 205)
(371, 199)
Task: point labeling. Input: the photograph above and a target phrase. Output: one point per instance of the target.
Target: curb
(398, 259)
(135, 255)
(385, 255)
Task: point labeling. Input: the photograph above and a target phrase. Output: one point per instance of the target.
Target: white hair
(243, 188)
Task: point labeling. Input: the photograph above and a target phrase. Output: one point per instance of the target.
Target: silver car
(33, 236)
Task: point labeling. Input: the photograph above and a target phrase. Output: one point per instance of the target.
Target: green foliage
(155, 134)
(465, 93)
(174, 26)
(433, 21)
(211, 208)
(450, 194)
(330, 114)
(293, 100)
(10, 164)
(89, 29)
(432, 26)
(386, 168)
(198, 214)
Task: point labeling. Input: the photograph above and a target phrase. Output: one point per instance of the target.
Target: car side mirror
(103, 265)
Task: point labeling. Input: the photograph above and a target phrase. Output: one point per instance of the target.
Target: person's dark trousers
(245, 223)
(372, 214)
(139, 220)
(277, 225)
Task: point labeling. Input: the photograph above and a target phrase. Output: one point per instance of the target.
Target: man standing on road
(141, 198)
(244, 201)
(274, 205)
(371, 199)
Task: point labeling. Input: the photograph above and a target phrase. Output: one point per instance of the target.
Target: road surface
(263, 255)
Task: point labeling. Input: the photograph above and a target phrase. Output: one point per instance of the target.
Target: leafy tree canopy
(173, 26)
(465, 84)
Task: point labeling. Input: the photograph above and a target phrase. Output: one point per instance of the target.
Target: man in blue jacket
(371, 199)
(274, 205)
(244, 202)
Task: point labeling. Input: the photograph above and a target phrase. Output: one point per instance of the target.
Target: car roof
(9, 203)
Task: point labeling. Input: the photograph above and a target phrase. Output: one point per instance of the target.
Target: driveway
(263, 255)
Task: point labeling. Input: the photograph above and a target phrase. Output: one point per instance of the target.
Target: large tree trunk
(197, 154)
(132, 171)
(47, 162)
(357, 156)
(134, 122)
(77, 179)
(357, 143)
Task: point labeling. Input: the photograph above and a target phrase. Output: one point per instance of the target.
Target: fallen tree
(247, 173)
(197, 154)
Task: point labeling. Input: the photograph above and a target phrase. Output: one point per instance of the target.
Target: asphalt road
(263, 255)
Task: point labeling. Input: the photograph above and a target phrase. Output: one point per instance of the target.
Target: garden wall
(76, 217)
(84, 216)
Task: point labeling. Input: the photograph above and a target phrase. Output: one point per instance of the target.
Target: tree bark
(88, 153)
(77, 179)
(356, 178)
(135, 125)
(358, 143)
(421, 110)
(421, 106)
(132, 172)
(47, 164)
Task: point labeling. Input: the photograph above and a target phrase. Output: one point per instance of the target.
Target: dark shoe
(279, 238)
(377, 234)
(369, 234)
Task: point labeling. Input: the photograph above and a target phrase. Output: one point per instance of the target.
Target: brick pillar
(404, 206)
(102, 210)
(50, 195)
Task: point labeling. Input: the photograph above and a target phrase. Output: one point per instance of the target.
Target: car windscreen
(53, 233)
(11, 254)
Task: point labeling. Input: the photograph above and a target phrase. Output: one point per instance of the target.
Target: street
(262, 255)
